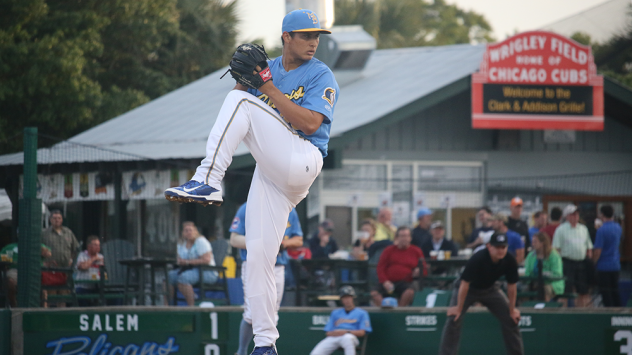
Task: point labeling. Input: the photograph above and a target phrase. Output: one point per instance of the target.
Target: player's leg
(266, 218)
(348, 343)
(451, 336)
(291, 162)
(327, 346)
(245, 328)
(498, 305)
(230, 128)
(279, 276)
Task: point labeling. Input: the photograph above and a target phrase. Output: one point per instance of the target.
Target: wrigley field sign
(537, 80)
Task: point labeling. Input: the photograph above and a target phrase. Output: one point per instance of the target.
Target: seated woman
(551, 264)
(193, 250)
(361, 246)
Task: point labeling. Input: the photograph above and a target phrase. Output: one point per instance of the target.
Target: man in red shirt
(398, 266)
(556, 216)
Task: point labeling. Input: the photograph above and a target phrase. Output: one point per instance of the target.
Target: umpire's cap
(347, 291)
(498, 239)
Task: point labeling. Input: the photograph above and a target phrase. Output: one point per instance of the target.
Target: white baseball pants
(279, 276)
(328, 345)
(286, 167)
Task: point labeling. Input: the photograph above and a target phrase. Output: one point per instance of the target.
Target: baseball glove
(249, 66)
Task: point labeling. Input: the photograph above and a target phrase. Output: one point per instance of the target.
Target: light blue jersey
(357, 319)
(312, 86)
(292, 230)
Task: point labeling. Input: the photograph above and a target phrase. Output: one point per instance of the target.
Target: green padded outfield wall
(159, 330)
(5, 332)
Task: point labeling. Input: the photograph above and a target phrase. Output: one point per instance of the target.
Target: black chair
(220, 249)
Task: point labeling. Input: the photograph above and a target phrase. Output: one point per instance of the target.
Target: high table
(139, 265)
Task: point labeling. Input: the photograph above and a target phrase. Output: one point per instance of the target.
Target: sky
(506, 16)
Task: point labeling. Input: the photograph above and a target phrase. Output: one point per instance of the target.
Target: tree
(412, 23)
(614, 57)
(67, 65)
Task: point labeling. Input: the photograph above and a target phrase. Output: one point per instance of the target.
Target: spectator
(572, 241)
(551, 261)
(322, 244)
(10, 253)
(367, 238)
(478, 284)
(606, 256)
(484, 231)
(345, 326)
(516, 247)
(556, 216)
(64, 249)
(438, 241)
(515, 222)
(539, 221)
(397, 268)
(421, 233)
(193, 249)
(87, 269)
(384, 229)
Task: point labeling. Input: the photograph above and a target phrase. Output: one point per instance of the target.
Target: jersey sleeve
(330, 324)
(365, 322)
(239, 221)
(321, 94)
(295, 225)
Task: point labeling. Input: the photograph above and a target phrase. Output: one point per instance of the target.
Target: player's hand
(454, 311)
(515, 315)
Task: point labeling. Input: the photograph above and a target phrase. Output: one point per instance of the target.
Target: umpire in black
(478, 284)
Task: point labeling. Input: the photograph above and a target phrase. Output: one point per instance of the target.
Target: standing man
(478, 284)
(285, 124)
(606, 256)
(292, 238)
(556, 217)
(384, 230)
(421, 233)
(515, 245)
(515, 222)
(63, 245)
(345, 326)
(572, 241)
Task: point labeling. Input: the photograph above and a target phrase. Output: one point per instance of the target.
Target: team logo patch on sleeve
(235, 223)
(330, 96)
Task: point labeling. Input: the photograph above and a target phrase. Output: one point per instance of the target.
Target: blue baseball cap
(389, 302)
(302, 20)
(424, 211)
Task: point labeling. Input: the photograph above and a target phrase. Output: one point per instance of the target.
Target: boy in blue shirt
(345, 326)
